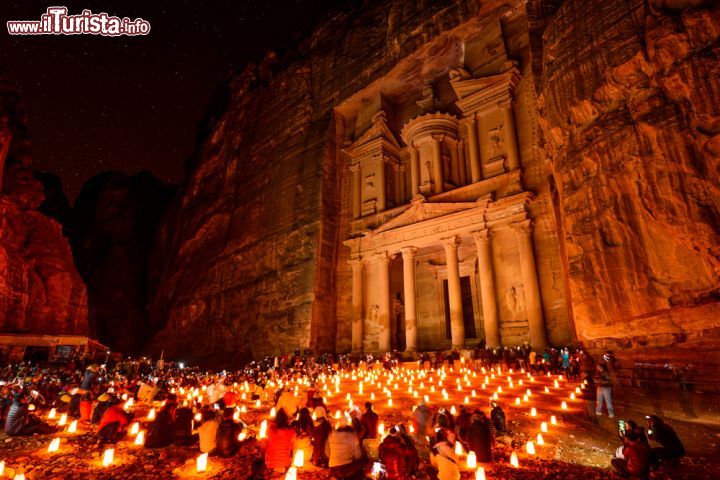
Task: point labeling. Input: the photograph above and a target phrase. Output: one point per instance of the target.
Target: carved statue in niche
(369, 187)
(515, 303)
(373, 313)
(496, 142)
(447, 168)
(428, 171)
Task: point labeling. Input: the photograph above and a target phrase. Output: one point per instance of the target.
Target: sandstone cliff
(630, 111)
(40, 290)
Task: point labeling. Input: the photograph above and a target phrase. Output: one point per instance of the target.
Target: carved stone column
(357, 304)
(487, 288)
(457, 325)
(356, 189)
(414, 170)
(513, 158)
(437, 164)
(474, 150)
(408, 257)
(383, 295)
(533, 305)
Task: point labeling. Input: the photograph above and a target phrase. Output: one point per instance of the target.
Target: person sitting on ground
(278, 454)
(104, 402)
(393, 453)
(161, 431)
(112, 424)
(442, 456)
(288, 402)
(369, 422)
(207, 431)
(671, 447)
(481, 437)
(321, 432)
(20, 422)
(497, 416)
(183, 434)
(303, 433)
(462, 422)
(636, 458)
(345, 457)
(227, 435)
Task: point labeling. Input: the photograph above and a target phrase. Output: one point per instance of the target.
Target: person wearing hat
(320, 434)
(62, 401)
(104, 402)
(113, 423)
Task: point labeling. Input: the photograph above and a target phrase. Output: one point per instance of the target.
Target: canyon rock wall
(629, 97)
(111, 228)
(40, 289)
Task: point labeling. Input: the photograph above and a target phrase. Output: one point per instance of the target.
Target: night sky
(130, 103)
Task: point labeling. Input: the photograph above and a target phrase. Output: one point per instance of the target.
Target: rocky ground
(575, 448)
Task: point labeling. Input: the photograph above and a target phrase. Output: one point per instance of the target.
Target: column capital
(450, 242)
(482, 236)
(409, 252)
(354, 167)
(524, 227)
(383, 257)
(356, 260)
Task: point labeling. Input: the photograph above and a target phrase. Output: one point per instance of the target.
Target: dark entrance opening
(467, 306)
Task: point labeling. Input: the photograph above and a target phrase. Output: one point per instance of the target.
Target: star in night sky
(131, 103)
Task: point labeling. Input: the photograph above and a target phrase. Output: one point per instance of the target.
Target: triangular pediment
(466, 88)
(420, 211)
(378, 131)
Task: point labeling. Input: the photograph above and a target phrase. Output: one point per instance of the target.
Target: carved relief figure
(496, 142)
(373, 313)
(369, 187)
(515, 303)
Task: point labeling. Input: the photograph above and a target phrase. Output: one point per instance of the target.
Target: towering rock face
(40, 290)
(111, 228)
(251, 257)
(630, 111)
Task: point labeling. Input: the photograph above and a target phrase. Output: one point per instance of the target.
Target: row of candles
(331, 387)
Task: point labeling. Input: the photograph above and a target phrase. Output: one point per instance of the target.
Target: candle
(108, 457)
(299, 459)
(63, 419)
(73, 427)
(563, 405)
(272, 412)
(151, 414)
(543, 427)
(140, 439)
(458, 449)
(553, 420)
(530, 447)
(540, 440)
(51, 414)
(517, 401)
(134, 428)
(2, 466)
(263, 429)
(381, 429)
(291, 474)
(19, 476)
(202, 462)
(54, 445)
(514, 460)
(471, 460)
(480, 474)
(547, 390)
(533, 412)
